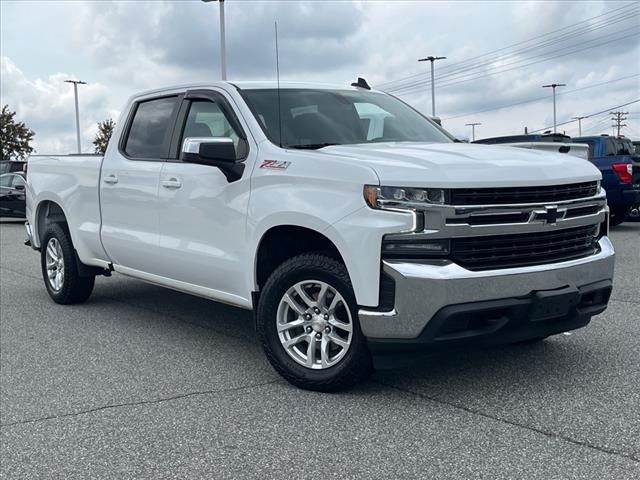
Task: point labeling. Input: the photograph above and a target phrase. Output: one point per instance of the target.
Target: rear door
(203, 214)
(129, 184)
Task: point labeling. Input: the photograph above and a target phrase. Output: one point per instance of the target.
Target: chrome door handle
(110, 179)
(171, 183)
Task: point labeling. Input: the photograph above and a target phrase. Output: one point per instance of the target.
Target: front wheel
(307, 322)
(60, 269)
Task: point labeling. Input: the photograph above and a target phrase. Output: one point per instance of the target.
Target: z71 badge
(275, 164)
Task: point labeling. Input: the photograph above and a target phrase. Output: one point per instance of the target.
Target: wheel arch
(282, 242)
(48, 212)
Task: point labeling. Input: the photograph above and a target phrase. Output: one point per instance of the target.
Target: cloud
(48, 107)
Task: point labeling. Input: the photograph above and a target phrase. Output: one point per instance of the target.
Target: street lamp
(579, 123)
(433, 86)
(223, 48)
(473, 130)
(553, 86)
(75, 92)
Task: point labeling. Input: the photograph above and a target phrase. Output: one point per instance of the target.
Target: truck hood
(460, 165)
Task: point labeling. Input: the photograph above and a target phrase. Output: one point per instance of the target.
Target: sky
(498, 54)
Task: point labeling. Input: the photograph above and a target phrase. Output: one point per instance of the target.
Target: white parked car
(351, 224)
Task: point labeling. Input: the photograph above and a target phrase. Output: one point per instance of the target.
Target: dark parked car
(12, 195)
(10, 166)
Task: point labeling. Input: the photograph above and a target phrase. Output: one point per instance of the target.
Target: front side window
(205, 120)
(150, 128)
(313, 118)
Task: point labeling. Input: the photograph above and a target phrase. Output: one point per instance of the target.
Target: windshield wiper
(311, 146)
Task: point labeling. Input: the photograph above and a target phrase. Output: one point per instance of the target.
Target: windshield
(318, 118)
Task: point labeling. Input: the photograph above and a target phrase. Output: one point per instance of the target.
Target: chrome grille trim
(452, 221)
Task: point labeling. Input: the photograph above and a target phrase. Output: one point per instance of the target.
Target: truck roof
(253, 85)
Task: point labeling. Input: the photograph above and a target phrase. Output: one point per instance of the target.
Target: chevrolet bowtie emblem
(551, 215)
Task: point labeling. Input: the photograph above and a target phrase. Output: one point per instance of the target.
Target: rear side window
(150, 128)
(5, 180)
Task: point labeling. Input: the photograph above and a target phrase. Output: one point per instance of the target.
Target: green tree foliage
(15, 137)
(105, 129)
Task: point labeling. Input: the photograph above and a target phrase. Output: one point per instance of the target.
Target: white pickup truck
(352, 225)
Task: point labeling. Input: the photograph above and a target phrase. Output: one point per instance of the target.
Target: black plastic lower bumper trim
(508, 320)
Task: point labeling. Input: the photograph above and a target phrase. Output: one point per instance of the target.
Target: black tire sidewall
(355, 363)
(74, 287)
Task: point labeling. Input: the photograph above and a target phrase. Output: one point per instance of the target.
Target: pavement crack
(142, 402)
(512, 423)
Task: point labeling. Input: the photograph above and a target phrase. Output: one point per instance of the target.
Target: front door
(129, 184)
(202, 219)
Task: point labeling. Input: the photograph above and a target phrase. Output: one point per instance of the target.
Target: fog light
(414, 248)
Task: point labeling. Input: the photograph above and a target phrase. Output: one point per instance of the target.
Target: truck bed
(71, 181)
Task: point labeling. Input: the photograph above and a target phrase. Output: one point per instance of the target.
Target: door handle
(171, 183)
(110, 179)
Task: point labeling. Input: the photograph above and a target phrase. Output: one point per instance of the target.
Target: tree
(15, 137)
(105, 129)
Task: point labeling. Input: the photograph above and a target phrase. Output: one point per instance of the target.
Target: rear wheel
(307, 322)
(60, 268)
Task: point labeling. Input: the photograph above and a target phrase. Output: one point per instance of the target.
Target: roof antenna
(361, 83)
(278, 86)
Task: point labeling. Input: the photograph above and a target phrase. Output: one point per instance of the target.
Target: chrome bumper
(421, 290)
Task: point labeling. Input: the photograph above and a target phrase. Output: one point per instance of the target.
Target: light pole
(553, 86)
(579, 123)
(433, 85)
(223, 47)
(473, 130)
(75, 92)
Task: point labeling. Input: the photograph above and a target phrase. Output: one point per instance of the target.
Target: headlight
(403, 197)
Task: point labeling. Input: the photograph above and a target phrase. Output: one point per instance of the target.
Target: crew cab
(620, 169)
(350, 241)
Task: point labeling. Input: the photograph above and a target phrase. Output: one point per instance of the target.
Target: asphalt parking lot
(142, 382)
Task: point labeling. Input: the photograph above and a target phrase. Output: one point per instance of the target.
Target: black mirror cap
(19, 187)
(218, 151)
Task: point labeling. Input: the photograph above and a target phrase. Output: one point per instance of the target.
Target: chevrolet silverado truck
(350, 239)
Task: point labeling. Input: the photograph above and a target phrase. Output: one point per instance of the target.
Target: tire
(335, 366)
(57, 249)
(617, 215)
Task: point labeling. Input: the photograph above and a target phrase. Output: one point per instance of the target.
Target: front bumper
(424, 291)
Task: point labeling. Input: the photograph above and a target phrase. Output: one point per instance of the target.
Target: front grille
(524, 249)
(515, 195)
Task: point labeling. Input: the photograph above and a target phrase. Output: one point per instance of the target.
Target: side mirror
(209, 150)
(19, 187)
(217, 152)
